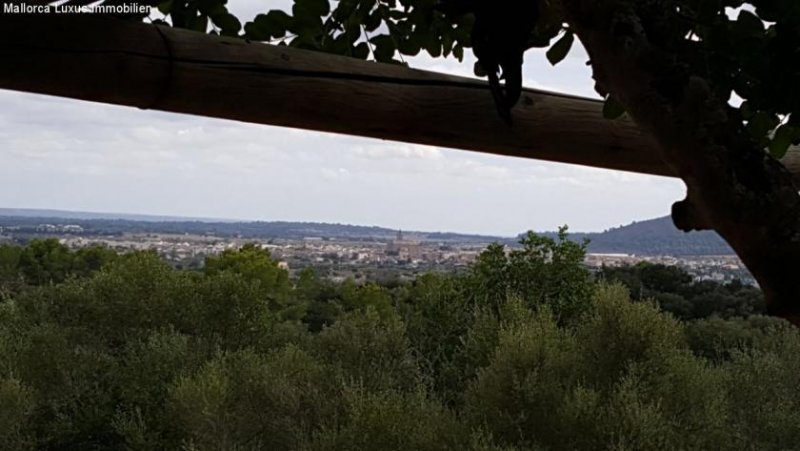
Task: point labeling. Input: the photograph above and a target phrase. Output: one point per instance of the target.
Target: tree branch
(734, 187)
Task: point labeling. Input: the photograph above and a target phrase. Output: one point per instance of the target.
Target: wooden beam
(105, 60)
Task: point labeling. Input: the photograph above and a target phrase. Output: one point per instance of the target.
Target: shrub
(370, 351)
(246, 401)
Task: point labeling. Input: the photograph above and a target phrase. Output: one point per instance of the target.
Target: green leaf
(339, 45)
(746, 110)
(227, 22)
(479, 70)
(317, 8)
(612, 109)
(458, 52)
(434, 48)
(383, 48)
(165, 7)
(361, 51)
(278, 19)
(748, 24)
(255, 33)
(305, 41)
(447, 44)
(408, 47)
(211, 7)
(372, 21)
(308, 16)
(560, 49)
(784, 136)
(197, 23)
(264, 27)
(761, 123)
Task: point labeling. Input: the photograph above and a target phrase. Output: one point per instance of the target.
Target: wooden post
(106, 60)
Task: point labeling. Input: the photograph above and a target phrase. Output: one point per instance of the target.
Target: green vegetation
(676, 293)
(47, 262)
(526, 351)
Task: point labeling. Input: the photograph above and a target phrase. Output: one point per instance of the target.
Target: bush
(716, 338)
(762, 393)
(16, 406)
(390, 420)
(369, 351)
(141, 356)
(515, 395)
(621, 378)
(618, 333)
(247, 401)
(544, 271)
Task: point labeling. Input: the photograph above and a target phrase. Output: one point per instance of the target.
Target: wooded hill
(655, 237)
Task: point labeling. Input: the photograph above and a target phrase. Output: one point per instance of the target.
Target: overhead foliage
(746, 49)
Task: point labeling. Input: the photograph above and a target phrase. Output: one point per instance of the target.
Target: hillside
(655, 237)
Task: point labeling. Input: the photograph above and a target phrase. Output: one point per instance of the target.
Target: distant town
(341, 251)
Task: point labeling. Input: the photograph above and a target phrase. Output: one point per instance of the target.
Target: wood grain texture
(105, 60)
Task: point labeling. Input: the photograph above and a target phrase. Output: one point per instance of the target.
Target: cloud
(394, 151)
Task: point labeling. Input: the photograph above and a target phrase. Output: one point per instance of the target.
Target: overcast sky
(73, 155)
